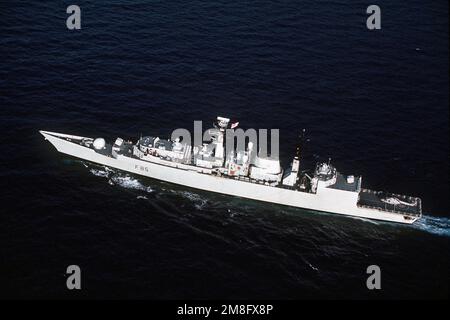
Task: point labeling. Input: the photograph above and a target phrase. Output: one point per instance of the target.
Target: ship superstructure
(242, 173)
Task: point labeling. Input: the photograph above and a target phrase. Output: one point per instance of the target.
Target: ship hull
(325, 200)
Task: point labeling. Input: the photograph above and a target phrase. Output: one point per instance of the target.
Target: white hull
(326, 199)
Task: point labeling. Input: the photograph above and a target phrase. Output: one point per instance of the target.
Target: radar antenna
(301, 144)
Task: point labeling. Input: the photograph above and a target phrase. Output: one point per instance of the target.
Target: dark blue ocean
(376, 102)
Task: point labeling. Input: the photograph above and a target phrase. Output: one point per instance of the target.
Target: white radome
(99, 143)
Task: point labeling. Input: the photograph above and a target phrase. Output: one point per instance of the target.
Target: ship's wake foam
(197, 200)
(128, 182)
(122, 180)
(435, 225)
(99, 173)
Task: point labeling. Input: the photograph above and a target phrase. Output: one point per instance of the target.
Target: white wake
(435, 225)
(124, 181)
(128, 183)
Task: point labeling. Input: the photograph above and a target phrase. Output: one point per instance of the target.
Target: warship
(241, 173)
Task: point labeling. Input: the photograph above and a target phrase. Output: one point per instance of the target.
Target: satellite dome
(99, 143)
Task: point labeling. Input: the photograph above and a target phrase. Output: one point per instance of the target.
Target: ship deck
(342, 184)
(373, 199)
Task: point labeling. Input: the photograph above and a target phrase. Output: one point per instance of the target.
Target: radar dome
(99, 143)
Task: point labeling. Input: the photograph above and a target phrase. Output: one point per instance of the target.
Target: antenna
(301, 143)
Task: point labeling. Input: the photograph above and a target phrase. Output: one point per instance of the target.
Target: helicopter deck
(390, 202)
